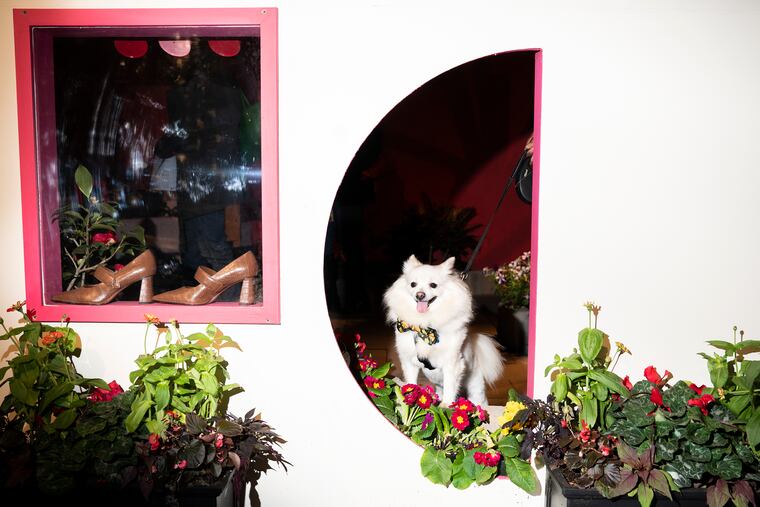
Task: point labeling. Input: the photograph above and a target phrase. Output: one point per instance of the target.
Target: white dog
(431, 307)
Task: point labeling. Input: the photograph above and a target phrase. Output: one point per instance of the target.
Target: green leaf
(748, 346)
(83, 179)
(559, 387)
(589, 410)
(753, 429)
(229, 428)
(139, 408)
(22, 393)
(751, 372)
(645, 494)
(55, 393)
(730, 467)
(65, 419)
(381, 371)
(610, 380)
(195, 424)
(387, 407)
(521, 473)
(718, 368)
(508, 446)
(162, 395)
(209, 383)
(722, 345)
(436, 466)
(718, 494)
(590, 343)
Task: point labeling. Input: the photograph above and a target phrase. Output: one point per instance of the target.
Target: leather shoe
(142, 268)
(213, 283)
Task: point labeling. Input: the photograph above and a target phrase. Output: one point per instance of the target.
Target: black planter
(219, 494)
(511, 332)
(559, 494)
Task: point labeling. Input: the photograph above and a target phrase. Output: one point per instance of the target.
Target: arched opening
(426, 181)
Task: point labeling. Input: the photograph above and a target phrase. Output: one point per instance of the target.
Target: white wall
(648, 202)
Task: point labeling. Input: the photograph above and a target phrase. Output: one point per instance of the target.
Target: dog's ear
(448, 264)
(411, 263)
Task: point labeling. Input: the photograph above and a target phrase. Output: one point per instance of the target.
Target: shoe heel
(247, 292)
(146, 290)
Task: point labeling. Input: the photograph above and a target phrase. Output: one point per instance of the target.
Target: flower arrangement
(170, 430)
(653, 436)
(91, 235)
(512, 282)
(459, 449)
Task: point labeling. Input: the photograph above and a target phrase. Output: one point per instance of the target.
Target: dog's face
(425, 283)
(428, 295)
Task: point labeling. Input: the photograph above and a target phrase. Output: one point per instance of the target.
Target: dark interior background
(452, 144)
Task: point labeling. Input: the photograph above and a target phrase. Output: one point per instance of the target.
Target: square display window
(148, 143)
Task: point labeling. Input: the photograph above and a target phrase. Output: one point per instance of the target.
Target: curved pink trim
(225, 47)
(131, 48)
(178, 48)
(36, 225)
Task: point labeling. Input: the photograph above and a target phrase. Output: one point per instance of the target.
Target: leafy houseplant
(91, 235)
(459, 449)
(653, 437)
(63, 434)
(511, 282)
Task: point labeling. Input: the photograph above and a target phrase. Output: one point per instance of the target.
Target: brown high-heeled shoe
(142, 268)
(213, 283)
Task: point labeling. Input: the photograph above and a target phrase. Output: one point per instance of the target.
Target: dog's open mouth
(422, 306)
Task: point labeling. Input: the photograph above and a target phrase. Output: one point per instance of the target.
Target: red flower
(424, 400)
(107, 238)
(482, 414)
(361, 347)
(489, 459)
(585, 434)
(656, 397)
(155, 441)
(219, 440)
(563, 423)
(430, 390)
(460, 419)
(696, 389)
(464, 405)
(365, 364)
(411, 392)
(605, 450)
(650, 373)
(16, 307)
(627, 383)
(117, 267)
(31, 313)
(701, 402)
(99, 394)
(181, 464)
(374, 383)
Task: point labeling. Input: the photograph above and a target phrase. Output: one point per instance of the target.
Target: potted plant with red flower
(459, 447)
(604, 437)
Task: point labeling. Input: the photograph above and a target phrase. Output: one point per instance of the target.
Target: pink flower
(605, 450)
(31, 313)
(460, 419)
(117, 267)
(431, 392)
(627, 383)
(650, 373)
(489, 459)
(424, 400)
(411, 393)
(427, 420)
(374, 383)
(181, 464)
(99, 394)
(585, 434)
(107, 238)
(219, 440)
(482, 414)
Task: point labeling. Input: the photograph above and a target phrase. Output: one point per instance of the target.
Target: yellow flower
(510, 411)
(622, 348)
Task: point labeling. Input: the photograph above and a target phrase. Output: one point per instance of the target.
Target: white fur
(463, 364)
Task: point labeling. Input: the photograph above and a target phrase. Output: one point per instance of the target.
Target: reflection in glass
(174, 141)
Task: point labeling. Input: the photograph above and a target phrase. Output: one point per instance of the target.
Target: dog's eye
(433, 285)
(414, 284)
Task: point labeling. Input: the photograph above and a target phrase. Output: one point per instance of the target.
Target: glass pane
(169, 129)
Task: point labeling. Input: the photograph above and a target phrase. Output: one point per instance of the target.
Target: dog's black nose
(420, 296)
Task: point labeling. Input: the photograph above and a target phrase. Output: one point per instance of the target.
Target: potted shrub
(167, 440)
(603, 437)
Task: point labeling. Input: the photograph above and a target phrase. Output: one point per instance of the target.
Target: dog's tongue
(422, 306)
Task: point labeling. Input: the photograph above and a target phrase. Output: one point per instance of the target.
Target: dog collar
(428, 334)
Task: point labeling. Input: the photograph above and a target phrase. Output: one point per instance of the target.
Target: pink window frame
(41, 245)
